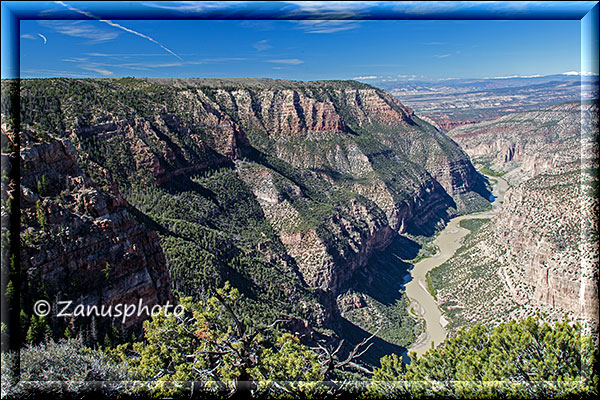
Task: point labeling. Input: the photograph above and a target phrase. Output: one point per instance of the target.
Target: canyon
(288, 190)
(540, 254)
(312, 198)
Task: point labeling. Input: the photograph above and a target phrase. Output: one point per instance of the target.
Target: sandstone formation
(541, 251)
(285, 188)
(528, 143)
(79, 242)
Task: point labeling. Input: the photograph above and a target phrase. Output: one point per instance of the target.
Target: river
(447, 241)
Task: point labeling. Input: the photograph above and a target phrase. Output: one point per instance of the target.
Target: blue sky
(294, 49)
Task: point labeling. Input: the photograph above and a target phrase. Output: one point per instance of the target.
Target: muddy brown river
(447, 241)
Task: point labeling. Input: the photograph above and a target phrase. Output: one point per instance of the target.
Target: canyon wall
(284, 188)
(79, 242)
(542, 247)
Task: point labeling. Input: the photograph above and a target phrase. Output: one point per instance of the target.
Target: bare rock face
(528, 143)
(81, 241)
(327, 255)
(245, 177)
(542, 230)
(544, 237)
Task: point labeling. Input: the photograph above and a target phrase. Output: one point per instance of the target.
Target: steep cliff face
(79, 242)
(542, 246)
(542, 228)
(285, 188)
(526, 144)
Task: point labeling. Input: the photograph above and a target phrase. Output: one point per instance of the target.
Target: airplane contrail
(43, 37)
(111, 23)
(114, 24)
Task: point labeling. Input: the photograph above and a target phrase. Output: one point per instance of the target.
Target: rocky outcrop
(526, 144)
(308, 179)
(328, 254)
(542, 244)
(546, 251)
(80, 242)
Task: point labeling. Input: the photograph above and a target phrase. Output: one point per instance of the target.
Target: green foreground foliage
(519, 359)
(212, 345)
(211, 351)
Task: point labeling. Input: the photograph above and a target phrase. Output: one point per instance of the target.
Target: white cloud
(366, 77)
(95, 68)
(37, 72)
(194, 6)
(124, 55)
(32, 37)
(262, 45)
(103, 67)
(442, 55)
(109, 22)
(115, 25)
(326, 26)
(80, 29)
(289, 61)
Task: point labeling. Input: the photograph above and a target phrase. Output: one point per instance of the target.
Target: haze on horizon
(298, 49)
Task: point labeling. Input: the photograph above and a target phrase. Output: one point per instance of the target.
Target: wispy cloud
(326, 26)
(366, 77)
(115, 25)
(80, 29)
(51, 72)
(262, 45)
(194, 6)
(441, 55)
(426, 7)
(289, 61)
(85, 64)
(435, 43)
(125, 55)
(218, 60)
(104, 64)
(96, 68)
(331, 9)
(33, 37)
(140, 35)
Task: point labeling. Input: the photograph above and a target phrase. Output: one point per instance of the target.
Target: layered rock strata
(542, 247)
(79, 242)
(254, 176)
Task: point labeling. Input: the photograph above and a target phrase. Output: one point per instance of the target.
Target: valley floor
(448, 241)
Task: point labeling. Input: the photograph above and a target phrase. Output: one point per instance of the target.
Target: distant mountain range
(453, 102)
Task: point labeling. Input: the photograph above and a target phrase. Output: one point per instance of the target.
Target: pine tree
(33, 331)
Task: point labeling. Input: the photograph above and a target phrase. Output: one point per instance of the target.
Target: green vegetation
(385, 303)
(206, 245)
(212, 351)
(473, 224)
(164, 146)
(220, 349)
(484, 168)
(430, 287)
(525, 359)
(64, 369)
